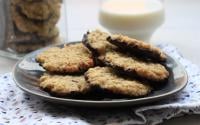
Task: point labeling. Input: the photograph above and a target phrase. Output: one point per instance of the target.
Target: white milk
(135, 18)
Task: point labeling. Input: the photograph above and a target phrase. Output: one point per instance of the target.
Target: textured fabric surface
(17, 107)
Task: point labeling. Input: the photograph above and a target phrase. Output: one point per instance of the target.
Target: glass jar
(27, 25)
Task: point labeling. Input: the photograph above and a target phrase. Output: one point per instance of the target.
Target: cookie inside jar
(32, 24)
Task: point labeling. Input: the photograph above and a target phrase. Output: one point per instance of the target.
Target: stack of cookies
(114, 64)
(65, 69)
(33, 24)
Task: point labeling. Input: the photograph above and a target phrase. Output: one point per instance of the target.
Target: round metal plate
(27, 72)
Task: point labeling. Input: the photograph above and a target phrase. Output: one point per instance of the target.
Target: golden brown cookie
(63, 85)
(137, 47)
(19, 37)
(29, 26)
(135, 67)
(46, 9)
(31, 10)
(54, 40)
(106, 79)
(96, 42)
(72, 58)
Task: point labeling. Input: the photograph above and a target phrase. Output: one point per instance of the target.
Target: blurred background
(181, 27)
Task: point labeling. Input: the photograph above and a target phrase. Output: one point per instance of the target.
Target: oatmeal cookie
(48, 34)
(32, 38)
(137, 47)
(30, 9)
(21, 38)
(72, 58)
(96, 42)
(106, 79)
(63, 85)
(29, 26)
(134, 66)
(29, 46)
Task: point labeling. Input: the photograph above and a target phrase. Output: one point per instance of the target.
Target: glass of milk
(138, 19)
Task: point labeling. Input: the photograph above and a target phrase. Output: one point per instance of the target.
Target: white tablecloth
(17, 107)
